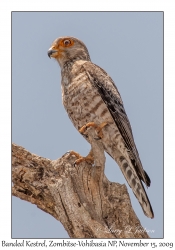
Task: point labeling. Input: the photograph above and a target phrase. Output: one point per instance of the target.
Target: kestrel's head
(65, 49)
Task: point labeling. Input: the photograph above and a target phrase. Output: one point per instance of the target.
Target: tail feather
(141, 173)
(135, 183)
(148, 181)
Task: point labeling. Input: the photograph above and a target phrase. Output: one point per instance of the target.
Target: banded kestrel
(91, 98)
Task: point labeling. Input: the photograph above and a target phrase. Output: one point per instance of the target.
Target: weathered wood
(80, 196)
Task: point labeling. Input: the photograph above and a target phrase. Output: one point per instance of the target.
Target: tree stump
(79, 196)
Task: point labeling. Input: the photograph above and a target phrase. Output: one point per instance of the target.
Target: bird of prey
(91, 98)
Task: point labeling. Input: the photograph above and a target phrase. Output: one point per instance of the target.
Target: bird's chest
(84, 104)
(82, 101)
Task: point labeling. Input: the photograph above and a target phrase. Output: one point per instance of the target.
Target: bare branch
(80, 197)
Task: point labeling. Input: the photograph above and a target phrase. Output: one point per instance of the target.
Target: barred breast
(84, 104)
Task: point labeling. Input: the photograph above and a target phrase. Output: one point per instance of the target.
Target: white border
(5, 92)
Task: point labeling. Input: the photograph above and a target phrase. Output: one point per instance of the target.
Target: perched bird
(91, 98)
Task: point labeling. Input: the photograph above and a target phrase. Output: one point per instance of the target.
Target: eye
(67, 42)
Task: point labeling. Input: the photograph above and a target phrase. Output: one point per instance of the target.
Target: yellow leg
(89, 158)
(75, 153)
(98, 128)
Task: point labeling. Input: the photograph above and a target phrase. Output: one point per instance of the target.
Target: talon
(98, 128)
(89, 158)
(78, 161)
(75, 153)
(82, 129)
(66, 153)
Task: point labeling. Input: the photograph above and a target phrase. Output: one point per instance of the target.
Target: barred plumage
(90, 95)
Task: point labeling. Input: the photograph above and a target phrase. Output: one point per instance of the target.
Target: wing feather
(111, 96)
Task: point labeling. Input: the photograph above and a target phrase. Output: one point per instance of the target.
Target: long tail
(136, 185)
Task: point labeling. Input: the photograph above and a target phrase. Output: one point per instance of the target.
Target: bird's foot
(89, 158)
(98, 128)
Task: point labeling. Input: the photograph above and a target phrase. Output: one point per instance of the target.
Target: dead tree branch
(80, 196)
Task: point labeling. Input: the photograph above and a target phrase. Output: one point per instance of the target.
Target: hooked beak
(50, 52)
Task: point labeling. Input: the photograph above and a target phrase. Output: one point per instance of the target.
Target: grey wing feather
(111, 96)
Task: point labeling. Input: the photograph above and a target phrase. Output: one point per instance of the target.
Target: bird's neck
(70, 70)
(67, 63)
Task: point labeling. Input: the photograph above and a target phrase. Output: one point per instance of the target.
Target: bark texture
(79, 196)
